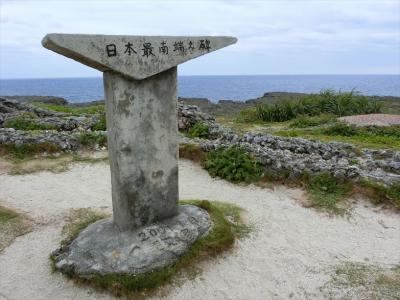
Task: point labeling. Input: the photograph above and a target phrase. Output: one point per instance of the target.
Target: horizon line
(199, 75)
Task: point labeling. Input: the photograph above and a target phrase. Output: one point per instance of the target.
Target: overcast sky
(275, 37)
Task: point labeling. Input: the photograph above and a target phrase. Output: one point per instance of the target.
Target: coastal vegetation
(12, 224)
(233, 164)
(228, 227)
(199, 130)
(326, 102)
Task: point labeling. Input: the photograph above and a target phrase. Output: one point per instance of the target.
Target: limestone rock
(102, 249)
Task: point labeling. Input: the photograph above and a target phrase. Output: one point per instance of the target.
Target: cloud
(264, 28)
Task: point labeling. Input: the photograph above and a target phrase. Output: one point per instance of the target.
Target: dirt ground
(290, 253)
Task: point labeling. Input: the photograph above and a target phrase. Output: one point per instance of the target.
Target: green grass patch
(6, 215)
(326, 102)
(380, 192)
(101, 124)
(86, 110)
(92, 138)
(22, 151)
(308, 121)
(199, 130)
(12, 224)
(326, 191)
(228, 226)
(233, 164)
(24, 123)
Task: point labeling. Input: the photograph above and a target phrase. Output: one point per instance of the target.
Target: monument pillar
(142, 130)
(149, 230)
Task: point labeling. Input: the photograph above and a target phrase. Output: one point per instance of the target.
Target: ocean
(214, 88)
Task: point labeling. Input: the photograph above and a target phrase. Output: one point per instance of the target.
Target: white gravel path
(287, 256)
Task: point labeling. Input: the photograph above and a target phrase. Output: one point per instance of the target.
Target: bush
(23, 123)
(199, 130)
(234, 164)
(101, 124)
(92, 138)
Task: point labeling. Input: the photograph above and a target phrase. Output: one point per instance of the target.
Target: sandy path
(287, 255)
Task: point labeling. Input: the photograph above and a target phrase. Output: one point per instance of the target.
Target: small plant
(199, 130)
(92, 138)
(101, 124)
(234, 164)
(326, 191)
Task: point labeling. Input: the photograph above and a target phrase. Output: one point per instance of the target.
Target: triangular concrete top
(138, 57)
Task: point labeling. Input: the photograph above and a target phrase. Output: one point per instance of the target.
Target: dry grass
(12, 225)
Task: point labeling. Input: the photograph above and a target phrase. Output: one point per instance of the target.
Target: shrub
(92, 138)
(200, 130)
(234, 164)
(23, 123)
(101, 124)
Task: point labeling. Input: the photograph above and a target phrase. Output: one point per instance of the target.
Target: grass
(326, 102)
(228, 227)
(362, 281)
(92, 138)
(58, 164)
(307, 121)
(27, 150)
(76, 111)
(326, 191)
(363, 137)
(101, 124)
(381, 193)
(12, 224)
(24, 123)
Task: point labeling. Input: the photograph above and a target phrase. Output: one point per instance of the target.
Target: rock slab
(102, 249)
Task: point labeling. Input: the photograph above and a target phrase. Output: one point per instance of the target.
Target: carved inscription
(147, 49)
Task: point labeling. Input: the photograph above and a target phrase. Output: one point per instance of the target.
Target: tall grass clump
(326, 102)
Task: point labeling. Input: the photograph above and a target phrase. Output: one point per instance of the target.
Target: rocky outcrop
(292, 156)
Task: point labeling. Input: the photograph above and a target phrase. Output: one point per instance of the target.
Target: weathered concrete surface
(143, 146)
(135, 56)
(102, 249)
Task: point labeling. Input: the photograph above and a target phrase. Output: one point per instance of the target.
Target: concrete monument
(149, 229)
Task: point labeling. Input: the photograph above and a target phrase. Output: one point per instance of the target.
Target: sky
(274, 37)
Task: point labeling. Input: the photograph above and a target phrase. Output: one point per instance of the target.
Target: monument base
(102, 249)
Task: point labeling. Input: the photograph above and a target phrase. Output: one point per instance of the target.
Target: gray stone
(103, 249)
(111, 52)
(143, 147)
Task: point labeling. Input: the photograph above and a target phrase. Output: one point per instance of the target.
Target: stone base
(102, 249)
